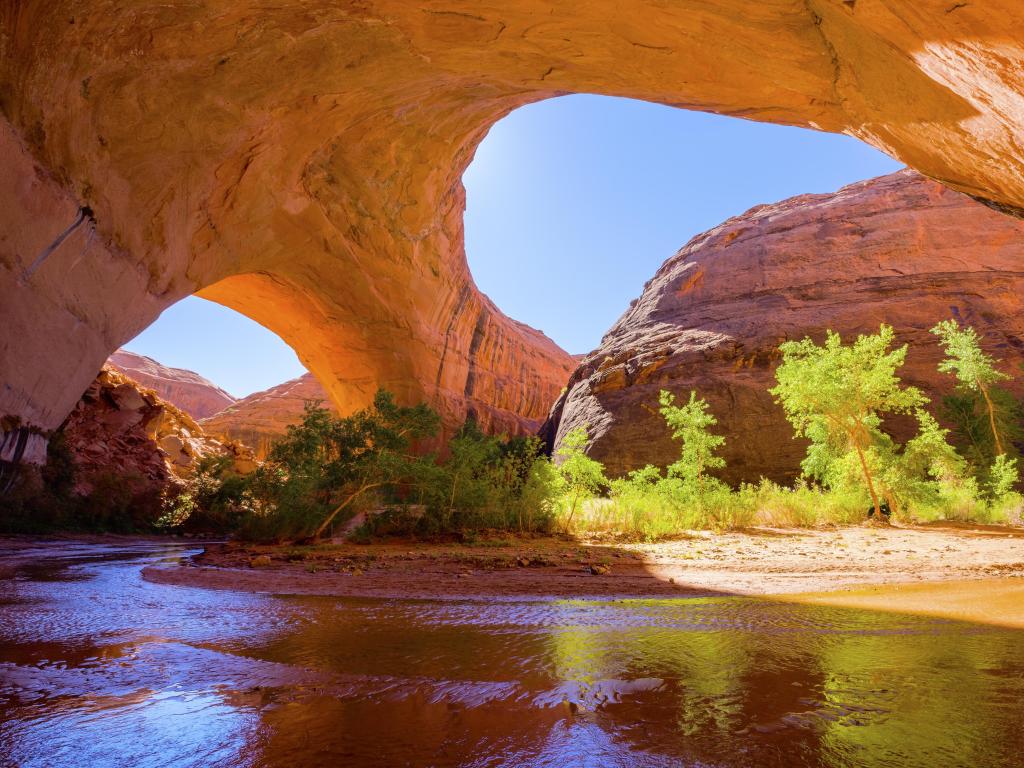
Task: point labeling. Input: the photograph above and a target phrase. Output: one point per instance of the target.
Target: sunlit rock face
(187, 390)
(899, 249)
(263, 417)
(302, 162)
(128, 443)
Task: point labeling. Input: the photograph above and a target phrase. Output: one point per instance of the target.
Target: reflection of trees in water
(823, 687)
(744, 683)
(933, 698)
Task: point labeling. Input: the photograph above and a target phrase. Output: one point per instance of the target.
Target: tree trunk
(867, 477)
(992, 419)
(349, 499)
(572, 509)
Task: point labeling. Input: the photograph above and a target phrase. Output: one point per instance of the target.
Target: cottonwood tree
(582, 475)
(976, 374)
(689, 424)
(324, 464)
(974, 370)
(835, 394)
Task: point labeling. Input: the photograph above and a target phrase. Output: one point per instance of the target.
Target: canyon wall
(262, 417)
(899, 249)
(186, 390)
(302, 162)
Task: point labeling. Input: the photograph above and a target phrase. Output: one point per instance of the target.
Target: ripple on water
(98, 667)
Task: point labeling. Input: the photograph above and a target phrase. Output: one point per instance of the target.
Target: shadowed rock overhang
(302, 162)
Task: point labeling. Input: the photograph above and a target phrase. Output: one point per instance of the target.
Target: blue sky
(572, 204)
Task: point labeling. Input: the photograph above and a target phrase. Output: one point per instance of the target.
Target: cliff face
(124, 438)
(302, 162)
(898, 249)
(262, 417)
(187, 390)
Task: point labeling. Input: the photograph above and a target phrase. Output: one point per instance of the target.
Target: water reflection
(98, 667)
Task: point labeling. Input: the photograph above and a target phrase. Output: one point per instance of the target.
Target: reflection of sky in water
(143, 730)
(100, 668)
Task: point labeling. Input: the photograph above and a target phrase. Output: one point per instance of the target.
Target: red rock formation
(187, 390)
(302, 162)
(122, 434)
(898, 249)
(260, 418)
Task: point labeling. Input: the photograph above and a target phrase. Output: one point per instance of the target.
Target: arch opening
(573, 203)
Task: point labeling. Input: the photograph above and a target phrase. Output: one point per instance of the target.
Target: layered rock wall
(301, 161)
(262, 417)
(186, 390)
(899, 249)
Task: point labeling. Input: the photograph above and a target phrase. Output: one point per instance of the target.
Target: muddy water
(100, 668)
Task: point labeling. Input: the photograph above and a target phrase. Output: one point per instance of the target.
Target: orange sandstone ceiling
(301, 161)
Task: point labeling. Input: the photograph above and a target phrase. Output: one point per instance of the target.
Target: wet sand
(955, 571)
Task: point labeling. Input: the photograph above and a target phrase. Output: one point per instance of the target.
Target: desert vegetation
(328, 470)
(371, 473)
(837, 396)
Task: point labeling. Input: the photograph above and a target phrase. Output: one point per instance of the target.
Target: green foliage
(689, 424)
(55, 497)
(327, 469)
(928, 475)
(1003, 476)
(967, 413)
(214, 499)
(583, 477)
(836, 394)
(326, 466)
(974, 370)
(490, 482)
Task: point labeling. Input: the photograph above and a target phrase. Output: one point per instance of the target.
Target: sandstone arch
(320, 145)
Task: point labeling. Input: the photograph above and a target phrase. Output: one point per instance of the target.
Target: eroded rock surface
(187, 390)
(262, 417)
(301, 162)
(122, 435)
(899, 249)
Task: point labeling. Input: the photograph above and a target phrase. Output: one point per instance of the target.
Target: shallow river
(101, 668)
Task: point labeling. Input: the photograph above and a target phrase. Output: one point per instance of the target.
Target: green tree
(470, 469)
(1003, 477)
(835, 394)
(974, 370)
(927, 470)
(689, 424)
(583, 476)
(324, 464)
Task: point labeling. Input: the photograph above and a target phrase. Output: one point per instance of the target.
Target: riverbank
(759, 561)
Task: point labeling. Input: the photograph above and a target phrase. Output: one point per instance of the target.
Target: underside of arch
(302, 162)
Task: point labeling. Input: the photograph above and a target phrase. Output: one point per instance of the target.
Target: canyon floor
(955, 571)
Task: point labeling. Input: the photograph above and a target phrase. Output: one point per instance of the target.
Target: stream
(99, 667)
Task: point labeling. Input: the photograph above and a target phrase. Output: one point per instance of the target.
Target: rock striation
(301, 162)
(899, 249)
(186, 390)
(123, 434)
(262, 417)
